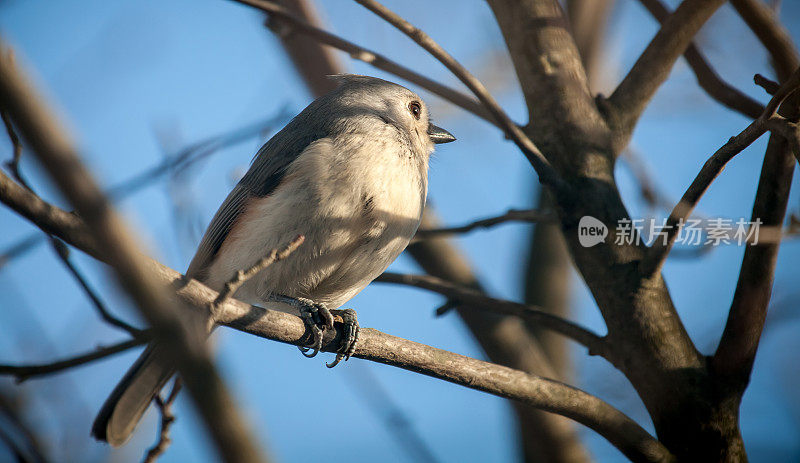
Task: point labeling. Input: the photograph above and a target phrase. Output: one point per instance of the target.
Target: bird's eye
(415, 109)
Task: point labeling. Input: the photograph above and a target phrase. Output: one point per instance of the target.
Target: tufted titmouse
(350, 173)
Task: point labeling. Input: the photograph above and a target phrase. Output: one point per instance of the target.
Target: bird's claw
(319, 318)
(349, 337)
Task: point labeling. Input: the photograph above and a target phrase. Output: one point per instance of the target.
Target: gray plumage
(350, 174)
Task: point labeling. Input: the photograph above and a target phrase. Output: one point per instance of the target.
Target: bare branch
(56, 153)
(473, 298)
(167, 418)
(368, 388)
(505, 382)
(175, 162)
(373, 345)
(309, 60)
(24, 372)
(547, 175)
(648, 189)
(654, 65)
(28, 446)
(195, 152)
(20, 248)
(287, 19)
(733, 360)
(242, 276)
(62, 251)
(726, 94)
(512, 215)
(761, 19)
(13, 163)
(589, 20)
(657, 254)
(769, 85)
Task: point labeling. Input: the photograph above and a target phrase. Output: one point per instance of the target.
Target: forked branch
(657, 254)
(707, 77)
(371, 57)
(547, 175)
(655, 63)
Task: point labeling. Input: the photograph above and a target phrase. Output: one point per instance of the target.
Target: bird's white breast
(358, 208)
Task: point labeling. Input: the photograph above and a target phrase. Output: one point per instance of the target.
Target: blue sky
(122, 72)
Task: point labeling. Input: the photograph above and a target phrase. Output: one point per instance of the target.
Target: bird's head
(367, 100)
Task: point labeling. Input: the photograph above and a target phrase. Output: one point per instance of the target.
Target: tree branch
(287, 19)
(735, 355)
(761, 19)
(654, 65)
(726, 94)
(185, 345)
(373, 345)
(174, 162)
(470, 297)
(243, 275)
(167, 419)
(657, 254)
(62, 251)
(588, 21)
(13, 163)
(512, 215)
(24, 372)
(367, 387)
(547, 175)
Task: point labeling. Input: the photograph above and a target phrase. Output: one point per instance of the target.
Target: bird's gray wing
(265, 174)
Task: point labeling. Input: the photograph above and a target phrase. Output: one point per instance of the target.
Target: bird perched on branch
(350, 174)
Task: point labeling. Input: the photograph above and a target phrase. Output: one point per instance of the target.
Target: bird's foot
(319, 318)
(316, 316)
(349, 336)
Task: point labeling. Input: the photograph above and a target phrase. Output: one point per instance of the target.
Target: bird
(350, 174)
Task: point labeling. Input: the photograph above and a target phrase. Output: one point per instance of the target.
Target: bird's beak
(439, 135)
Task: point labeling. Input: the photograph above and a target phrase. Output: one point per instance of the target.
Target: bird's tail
(128, 401)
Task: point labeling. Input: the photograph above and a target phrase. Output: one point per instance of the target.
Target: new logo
(591, 231)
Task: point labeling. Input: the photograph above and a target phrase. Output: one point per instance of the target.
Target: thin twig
(368, 388)
(24, 372)
(62, 251)
(547, 175)
(372, 58)
(769, 85)
(20, 248)
(16, 143)
(193, 153)
(707, 77)
(13, 163)
(648, 189)
(655, 63)
(469, 297)
(657, 254)
(512, 215)
(32, 448)
(762, 20)
(242, 276)
(167, 419)
(173, 163)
